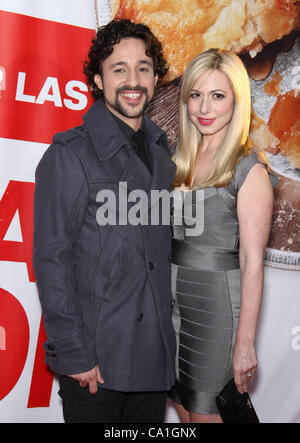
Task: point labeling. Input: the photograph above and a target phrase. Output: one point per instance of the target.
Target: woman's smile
(206, 121)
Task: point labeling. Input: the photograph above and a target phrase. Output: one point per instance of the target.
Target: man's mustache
(133, 89)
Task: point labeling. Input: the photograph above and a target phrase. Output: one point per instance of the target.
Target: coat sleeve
(59, 205)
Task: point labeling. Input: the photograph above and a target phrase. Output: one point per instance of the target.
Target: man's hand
(90, 378)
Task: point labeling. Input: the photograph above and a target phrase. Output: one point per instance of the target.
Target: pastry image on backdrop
(266, 36)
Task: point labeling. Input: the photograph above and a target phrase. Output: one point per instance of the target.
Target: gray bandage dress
(206, 289)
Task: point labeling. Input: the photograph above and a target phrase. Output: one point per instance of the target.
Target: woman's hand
(244, 364)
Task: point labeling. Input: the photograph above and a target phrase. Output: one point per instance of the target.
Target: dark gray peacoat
(104, 290)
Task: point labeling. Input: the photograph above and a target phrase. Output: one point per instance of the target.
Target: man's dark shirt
(137, 140)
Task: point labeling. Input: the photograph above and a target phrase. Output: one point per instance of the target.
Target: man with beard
(105, 286)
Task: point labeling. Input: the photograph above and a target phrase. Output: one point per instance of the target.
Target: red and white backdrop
(42, 91)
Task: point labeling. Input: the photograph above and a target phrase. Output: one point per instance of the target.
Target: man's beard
(128, 112)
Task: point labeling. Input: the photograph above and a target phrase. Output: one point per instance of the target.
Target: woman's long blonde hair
(236, 141)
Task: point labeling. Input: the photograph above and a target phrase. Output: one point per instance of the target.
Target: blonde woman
(218, 275)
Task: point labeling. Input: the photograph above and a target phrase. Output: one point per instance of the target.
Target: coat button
(170, 258)
(140, 316)
(151, 266)
(51, 348)
(172, 303)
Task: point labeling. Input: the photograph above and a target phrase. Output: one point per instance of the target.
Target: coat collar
(107, 136)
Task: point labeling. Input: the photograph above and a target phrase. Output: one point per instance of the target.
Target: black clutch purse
(235, 407)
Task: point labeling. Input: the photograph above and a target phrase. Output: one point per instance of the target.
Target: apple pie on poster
(188, 27)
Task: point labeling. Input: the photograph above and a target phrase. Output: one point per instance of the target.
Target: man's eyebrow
(146, 62)
(139, 62)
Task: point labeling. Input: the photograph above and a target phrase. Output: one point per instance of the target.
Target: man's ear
(156, 79)
(98, 81)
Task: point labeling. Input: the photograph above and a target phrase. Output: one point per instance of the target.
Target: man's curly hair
(109, 35)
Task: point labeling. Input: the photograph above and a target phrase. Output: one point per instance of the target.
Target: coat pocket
(107, 267)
